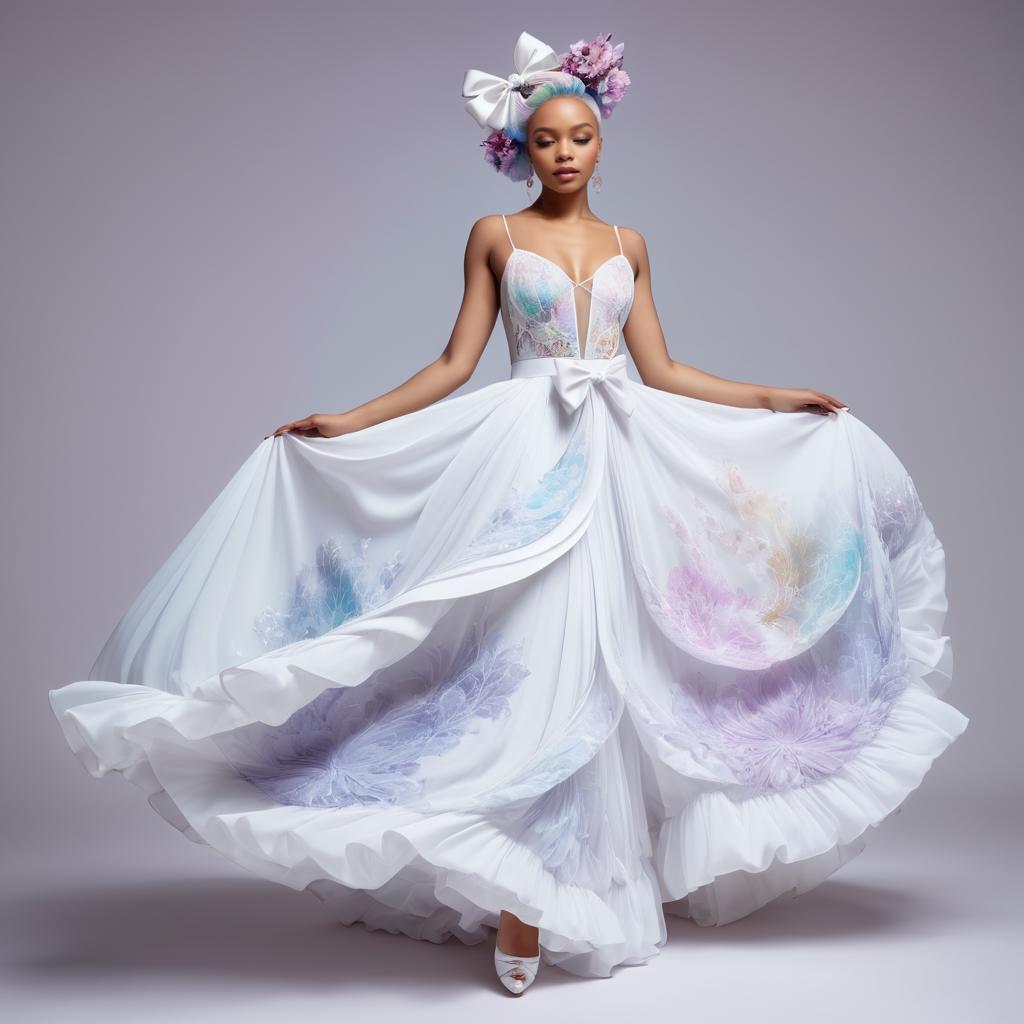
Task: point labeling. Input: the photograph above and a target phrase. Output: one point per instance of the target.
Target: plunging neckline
(581, 343)
(561, 270)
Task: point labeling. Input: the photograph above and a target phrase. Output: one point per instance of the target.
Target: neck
(568, 207)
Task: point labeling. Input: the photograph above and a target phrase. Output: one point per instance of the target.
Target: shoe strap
(528, 963)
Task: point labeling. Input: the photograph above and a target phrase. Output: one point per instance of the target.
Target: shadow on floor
(254, 930)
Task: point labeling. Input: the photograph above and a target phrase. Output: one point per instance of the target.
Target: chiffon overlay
(566, 645)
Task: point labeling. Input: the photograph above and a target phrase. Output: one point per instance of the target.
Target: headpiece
(592, 71)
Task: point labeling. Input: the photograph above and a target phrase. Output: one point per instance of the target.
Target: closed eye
(544, 143)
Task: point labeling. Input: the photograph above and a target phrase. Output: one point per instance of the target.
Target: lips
(566, 173)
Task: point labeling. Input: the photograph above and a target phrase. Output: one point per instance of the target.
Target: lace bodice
(542, 307)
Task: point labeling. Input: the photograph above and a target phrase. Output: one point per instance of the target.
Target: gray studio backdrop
(220, 216)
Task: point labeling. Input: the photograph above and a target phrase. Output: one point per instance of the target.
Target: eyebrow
(582, 124)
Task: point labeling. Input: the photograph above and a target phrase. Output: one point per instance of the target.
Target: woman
(555, 656)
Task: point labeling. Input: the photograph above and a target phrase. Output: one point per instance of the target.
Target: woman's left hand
(803, 400)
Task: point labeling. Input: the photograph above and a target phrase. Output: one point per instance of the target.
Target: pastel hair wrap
(590, 70)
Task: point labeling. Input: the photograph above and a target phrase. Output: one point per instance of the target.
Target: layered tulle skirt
(565, 645)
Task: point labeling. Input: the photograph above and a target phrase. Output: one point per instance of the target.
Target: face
(562, 136)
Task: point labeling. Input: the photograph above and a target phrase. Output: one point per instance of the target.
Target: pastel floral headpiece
(590, 70)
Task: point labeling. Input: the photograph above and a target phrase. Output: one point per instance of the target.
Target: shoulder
(488, 227)
(632, 239)
(634, 245)
(487, 235)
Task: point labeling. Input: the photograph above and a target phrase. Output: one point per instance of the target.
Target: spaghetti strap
(619, 237)
(507, 232)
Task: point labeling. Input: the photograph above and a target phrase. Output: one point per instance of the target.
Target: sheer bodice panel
(546, 313)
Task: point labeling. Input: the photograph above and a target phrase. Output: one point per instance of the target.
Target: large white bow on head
(491, 97)
(573, 379)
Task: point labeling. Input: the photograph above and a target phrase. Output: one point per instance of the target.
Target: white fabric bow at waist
(573, 379)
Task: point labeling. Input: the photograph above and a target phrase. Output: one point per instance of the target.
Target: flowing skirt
(565, 645)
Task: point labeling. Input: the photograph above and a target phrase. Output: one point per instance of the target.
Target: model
(553, 657)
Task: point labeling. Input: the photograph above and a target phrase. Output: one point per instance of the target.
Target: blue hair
(546, 85)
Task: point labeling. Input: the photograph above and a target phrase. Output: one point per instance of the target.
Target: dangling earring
(596, 179)
(529, 180)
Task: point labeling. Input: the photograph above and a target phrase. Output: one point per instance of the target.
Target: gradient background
(220, 216)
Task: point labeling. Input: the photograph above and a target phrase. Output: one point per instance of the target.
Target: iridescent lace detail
(789, 726)
(364, 744)
(566, 828)
(557, 804)
(806, 578)
(523, 519)
(341, 583)
(898, 510)
(556, 762)
(802, 719)
(539, 307)
(798, 719)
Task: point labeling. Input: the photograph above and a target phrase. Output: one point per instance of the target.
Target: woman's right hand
(319, 424)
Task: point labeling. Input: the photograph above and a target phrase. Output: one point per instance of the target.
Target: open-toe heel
(516, 973)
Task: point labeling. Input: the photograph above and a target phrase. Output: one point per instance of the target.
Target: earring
(529, 180)
(596, 179)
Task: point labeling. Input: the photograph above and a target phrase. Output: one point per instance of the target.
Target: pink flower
(593, 60)
(612, 89)
(598, 65)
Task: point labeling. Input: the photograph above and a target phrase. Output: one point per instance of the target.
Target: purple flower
(611, 90)
(593, 60)
(598, 65)
(506, 155)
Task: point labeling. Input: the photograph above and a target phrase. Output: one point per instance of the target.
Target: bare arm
(450, 370)
(646, 343)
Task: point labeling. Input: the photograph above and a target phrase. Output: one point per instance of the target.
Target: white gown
(566, 645)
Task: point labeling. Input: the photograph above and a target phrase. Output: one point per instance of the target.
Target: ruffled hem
(427, 876)
(448, 875)
(787, 843)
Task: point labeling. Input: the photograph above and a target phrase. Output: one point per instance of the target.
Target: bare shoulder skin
(564, 147)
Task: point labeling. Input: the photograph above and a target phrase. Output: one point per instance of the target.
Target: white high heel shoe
(517, 973)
